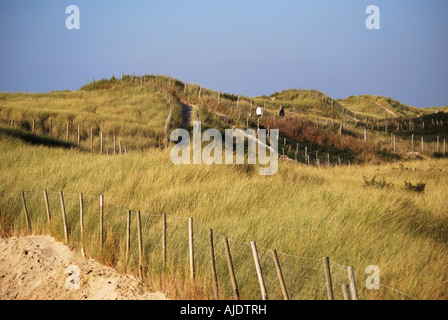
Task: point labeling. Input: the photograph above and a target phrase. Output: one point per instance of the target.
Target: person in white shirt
(259, 112)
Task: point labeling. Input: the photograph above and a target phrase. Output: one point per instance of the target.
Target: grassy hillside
(357, 215)
(304, 212)
(380, 107)
(135, 115)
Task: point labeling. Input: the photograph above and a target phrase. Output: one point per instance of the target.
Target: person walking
(259, 112)
(282, 112)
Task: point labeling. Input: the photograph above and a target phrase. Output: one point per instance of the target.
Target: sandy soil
(35, 268)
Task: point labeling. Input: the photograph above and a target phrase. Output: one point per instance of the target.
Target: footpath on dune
(40, 268)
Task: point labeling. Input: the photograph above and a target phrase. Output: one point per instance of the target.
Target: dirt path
(387, 109)
(35, 268)
(187, 115)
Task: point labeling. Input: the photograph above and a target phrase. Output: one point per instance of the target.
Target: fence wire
(304, 277)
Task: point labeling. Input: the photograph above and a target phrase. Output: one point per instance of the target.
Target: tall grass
(302, 212)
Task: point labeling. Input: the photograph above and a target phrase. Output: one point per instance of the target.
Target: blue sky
(243, 47)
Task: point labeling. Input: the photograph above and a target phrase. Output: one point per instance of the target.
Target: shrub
(419, 187)
(374, 183)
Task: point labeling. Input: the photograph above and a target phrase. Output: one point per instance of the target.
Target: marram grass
(300, 212)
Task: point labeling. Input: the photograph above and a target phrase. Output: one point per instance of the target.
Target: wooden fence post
(191, 247)
(67, 132)
(259, 272)
(47, 207)
(115, 143)
(64, 216)
(438, 140)
(128, 234)
(280, 275)
(164, 239)
(79, 135)
(140, 245)
(231, 270)
(328, 278)
(81, 224)
(25, 211)
(34, 125)
(345, 291)
(353, 289)
(213, 266)
(101, 221)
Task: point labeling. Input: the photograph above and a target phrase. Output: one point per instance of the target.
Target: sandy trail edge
(34, 268)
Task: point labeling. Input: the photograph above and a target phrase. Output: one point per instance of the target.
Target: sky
(242, 47)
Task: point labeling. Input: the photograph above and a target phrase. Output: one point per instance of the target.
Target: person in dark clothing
(282, 112)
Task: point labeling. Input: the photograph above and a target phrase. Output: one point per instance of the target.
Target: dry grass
(307, 212)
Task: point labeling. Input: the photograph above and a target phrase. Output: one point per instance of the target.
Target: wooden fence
(152, 245)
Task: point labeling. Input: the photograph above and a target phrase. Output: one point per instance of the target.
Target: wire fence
(224, 268)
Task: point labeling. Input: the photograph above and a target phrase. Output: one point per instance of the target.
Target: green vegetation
(301, 211)
(305, 213)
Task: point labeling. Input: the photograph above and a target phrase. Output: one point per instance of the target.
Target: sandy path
(187, 115)
(34, 268)
(387, 109)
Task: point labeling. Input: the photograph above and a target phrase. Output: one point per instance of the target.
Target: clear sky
(238, 46)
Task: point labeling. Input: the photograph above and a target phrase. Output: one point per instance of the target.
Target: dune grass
(302, 212)
(134, 114)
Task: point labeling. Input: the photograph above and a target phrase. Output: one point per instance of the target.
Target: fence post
(353, 289)
(115, 143)
(64, 216)
(119, 143)
(67, 132)
(328, 278)
(280, 275)
(25, 211)
(101, 221)
(34, 125)
(51, 127)
(140, 245)
(259, 272)
(191, 247)
(47, 207)
(346, 292)
(164, 239)
(79, 135)
(128, 234)
(438, 140)
(213, 267)
(81, 224)
(231, 271)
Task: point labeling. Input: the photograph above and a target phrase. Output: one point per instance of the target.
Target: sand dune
(39, 268)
